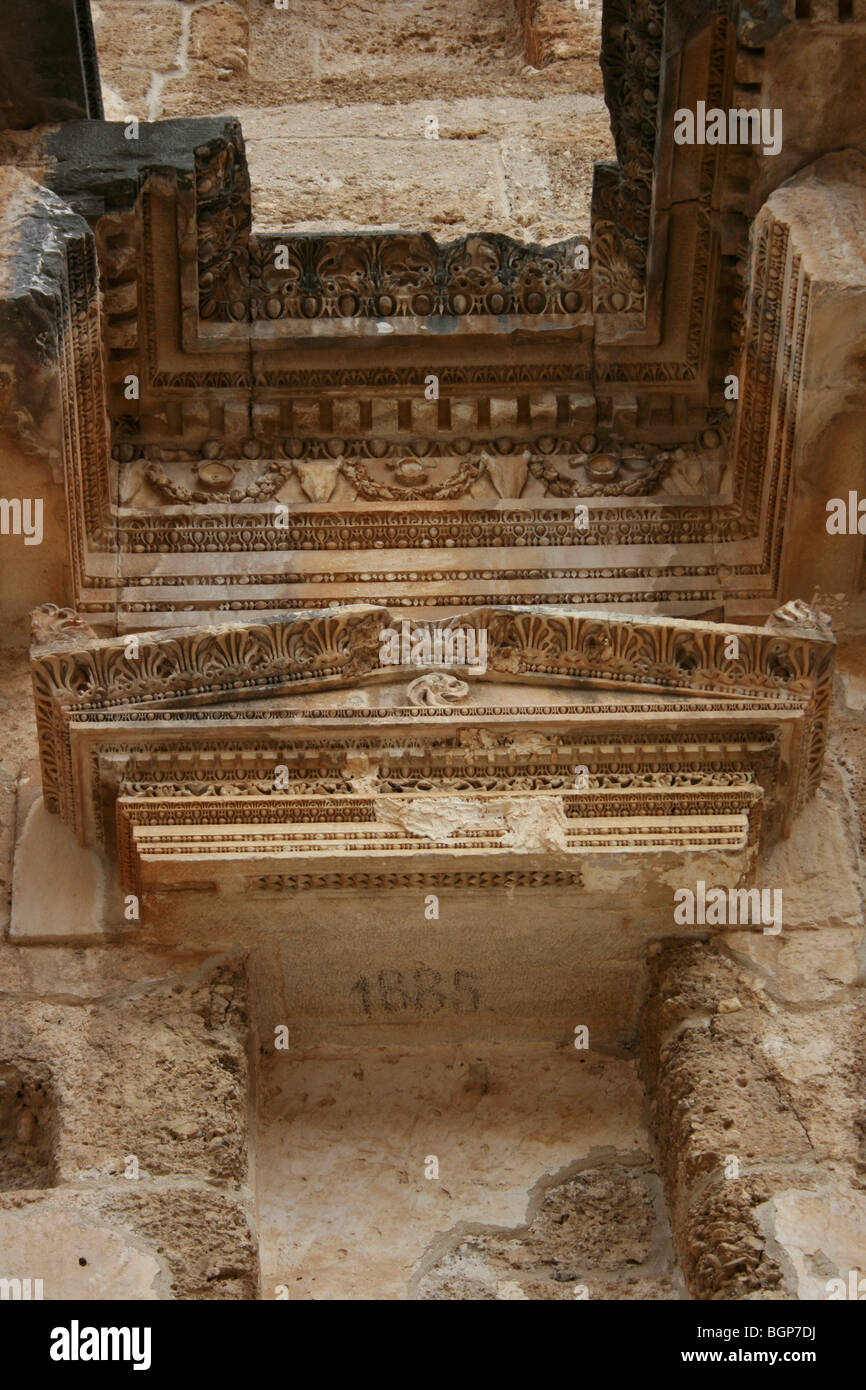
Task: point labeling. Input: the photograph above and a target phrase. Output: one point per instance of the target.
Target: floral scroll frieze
(615, 472)
(410, 275)
(389, 275)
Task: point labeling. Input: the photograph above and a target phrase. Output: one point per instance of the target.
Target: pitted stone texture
(321, 167)
(130, 1243)
(377, 181)
(597, 1235)
(751, 1097)
(28, 1125)
(157, 1072)
(718, 1094)
(218, 40)
(337, 100)
(723, 1252)
(157, 27)
(205, 1239)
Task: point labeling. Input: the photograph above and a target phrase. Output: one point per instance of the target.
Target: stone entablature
(281, 449)
(287, 748)
(303, 385)
(243, 773)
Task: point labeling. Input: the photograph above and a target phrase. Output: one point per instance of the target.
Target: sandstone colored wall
(544, 1186)
(811, 69)
(154, 1142)
(194, 58)
(112, 1053)
(132, 1126)
(754, 1049)
(335, 103)
(819, 210)
(601, 1234)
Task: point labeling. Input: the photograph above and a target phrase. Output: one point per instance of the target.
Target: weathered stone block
(503, 412)
(139, 36)
(305, 416)
(67, 902)
(219, 35)
(347, 416)
(542, 410)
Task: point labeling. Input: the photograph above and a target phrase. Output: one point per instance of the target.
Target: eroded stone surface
(598, 1235)
(820, 1236)
(127, 1107)
(28, 1125)
(130, 1244)
(345, 1136)
(751, 1096)
(172, 1081)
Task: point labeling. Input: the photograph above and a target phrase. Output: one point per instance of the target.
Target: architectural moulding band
(122, 721)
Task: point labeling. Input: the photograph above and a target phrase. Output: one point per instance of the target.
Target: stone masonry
(432, 691)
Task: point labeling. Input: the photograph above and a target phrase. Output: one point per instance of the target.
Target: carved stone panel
(291, 738)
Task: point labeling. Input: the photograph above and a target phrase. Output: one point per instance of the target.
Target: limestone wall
(752, 1048)
(339, 105)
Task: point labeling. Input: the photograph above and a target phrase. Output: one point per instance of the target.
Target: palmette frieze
(597, 646)
(172, 684)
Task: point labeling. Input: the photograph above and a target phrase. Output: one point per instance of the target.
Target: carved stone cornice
(662, 720)
(53, 628)
(632, 49)
(222, 219)
(272, 371)
(412, 277)
(786, 658)
(243, 277)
